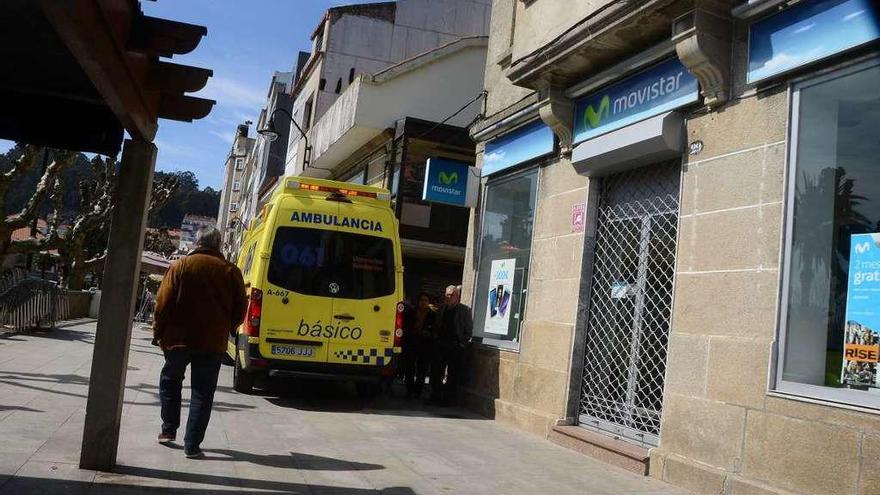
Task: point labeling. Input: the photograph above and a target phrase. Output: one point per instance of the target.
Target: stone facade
(723, 428)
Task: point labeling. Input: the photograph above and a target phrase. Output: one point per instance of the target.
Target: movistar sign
(663, 87)
(447, 181)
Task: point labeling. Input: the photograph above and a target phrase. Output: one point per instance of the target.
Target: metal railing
(27, 303)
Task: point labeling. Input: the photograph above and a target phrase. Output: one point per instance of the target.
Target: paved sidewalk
(298, 438)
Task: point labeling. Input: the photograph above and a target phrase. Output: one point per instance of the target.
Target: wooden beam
(165, 77)
(163, 37)
(184, 108)
(83, 27)
(113, 335)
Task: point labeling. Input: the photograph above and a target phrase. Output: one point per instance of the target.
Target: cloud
(226, 137)
(852, 16)
(176, 150)
(804, 28)
(494, 157)
(234, 94)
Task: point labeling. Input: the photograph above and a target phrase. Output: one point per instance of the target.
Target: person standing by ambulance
(418, 323)
(453, 330)
(200, 302)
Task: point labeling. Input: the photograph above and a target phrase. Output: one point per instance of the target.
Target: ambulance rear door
(365, 302)
(298, 302)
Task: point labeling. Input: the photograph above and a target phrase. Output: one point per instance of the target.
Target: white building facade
(369, 38)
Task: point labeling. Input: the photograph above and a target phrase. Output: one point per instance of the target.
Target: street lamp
(271, 134)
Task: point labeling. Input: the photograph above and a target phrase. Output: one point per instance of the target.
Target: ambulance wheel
(367, 390)
(242, 381)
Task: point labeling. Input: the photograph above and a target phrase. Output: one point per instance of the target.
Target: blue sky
(246, 43)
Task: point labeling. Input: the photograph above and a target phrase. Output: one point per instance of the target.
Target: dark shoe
(195, 453)
(166, 438)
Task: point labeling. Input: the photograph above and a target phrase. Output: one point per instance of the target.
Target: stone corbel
(703, 44)
(557, 111)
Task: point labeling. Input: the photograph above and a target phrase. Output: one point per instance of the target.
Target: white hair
(209, 237)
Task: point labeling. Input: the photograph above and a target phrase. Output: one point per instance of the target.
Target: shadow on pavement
(18, 408)
(117, 483)
(305, 462)
(32, 380)
(340, 397)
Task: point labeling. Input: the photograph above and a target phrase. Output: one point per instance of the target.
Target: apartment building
(230, 195)
(264, 164)
(377, 98)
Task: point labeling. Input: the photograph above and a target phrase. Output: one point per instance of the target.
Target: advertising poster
(861, 346)
(500, 295)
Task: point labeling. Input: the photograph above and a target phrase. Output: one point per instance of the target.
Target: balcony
(430, 86)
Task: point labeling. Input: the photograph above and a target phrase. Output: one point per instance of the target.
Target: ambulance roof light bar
(292, 184)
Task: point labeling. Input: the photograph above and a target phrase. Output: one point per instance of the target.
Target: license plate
(289, 350)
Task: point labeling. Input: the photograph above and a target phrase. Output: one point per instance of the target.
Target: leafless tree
(81, 240)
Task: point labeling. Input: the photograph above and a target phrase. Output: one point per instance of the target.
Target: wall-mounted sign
(450, 182)
(664, 87)
(578, 217)
(695, 148)
(498, 304)
(808, 32)
(861, 346)
(526, 143)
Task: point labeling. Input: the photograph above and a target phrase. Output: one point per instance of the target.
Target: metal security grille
(630, 303)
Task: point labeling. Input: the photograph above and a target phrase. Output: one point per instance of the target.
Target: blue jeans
(205, 368)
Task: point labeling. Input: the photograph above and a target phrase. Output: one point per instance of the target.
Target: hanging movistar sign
(661, 88)
(450, 182)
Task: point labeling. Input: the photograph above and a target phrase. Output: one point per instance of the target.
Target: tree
(158, 241)
(55, 162)
(85, 243)
(188, 198)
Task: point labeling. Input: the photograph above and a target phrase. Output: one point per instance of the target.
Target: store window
(830, 338)
(505, 250)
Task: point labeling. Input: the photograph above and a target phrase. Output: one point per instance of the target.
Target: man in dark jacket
(201, 300)
(453, 329)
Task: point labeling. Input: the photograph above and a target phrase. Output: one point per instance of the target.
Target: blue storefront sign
(526, 143)
(664, 87)
(450, 182)
(810, 31)
(861, 346)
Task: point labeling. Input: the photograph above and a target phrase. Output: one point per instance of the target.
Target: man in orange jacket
(201, 300)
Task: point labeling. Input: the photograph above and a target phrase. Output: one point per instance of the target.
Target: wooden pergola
(77, 74)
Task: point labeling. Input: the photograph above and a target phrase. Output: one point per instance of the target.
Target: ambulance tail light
(398, 326)
(254, 313)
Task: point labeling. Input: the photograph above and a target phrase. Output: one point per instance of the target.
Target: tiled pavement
(297, 438)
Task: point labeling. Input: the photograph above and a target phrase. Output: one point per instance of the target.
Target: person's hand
(155, 342)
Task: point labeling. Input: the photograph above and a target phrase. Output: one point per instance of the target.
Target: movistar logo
(863, 247)
(448, 179)
(593, 118)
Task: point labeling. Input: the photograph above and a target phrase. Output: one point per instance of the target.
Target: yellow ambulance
(322, 267)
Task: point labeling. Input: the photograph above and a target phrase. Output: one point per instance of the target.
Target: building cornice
(612, 33)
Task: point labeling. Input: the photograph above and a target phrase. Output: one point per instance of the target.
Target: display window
(829, 342)
(505, 250)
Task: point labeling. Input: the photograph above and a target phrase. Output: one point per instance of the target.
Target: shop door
(630, 303)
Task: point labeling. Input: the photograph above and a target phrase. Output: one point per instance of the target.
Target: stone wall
(722, 432)
(529, 388)
(502, 93)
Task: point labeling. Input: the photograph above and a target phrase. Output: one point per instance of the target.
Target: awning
(154, 263)
(649, 141)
